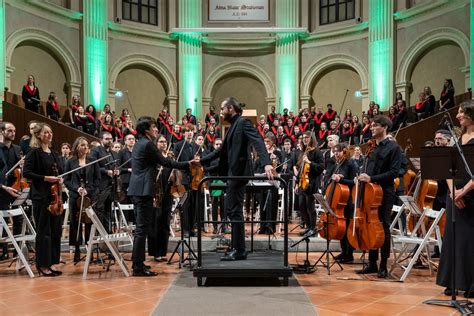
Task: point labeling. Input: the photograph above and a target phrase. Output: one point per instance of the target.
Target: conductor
(235, 160)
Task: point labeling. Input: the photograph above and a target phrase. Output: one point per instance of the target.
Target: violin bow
(81, 167)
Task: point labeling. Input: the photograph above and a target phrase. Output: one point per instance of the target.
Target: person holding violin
(42, 167)
(383, 167)
(145, 159)
(82, 183)
(162, 203)
(125, 156)
(9, 157)
(185, 150)
(108, 174)
(344, 171)
(310, 168)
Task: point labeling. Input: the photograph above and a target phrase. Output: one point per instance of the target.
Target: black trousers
(269, 207)
(307, 209)
(234, 208)
(104, 208)
(218, 204)
(346, 248)
(74, 223)
(160, 234)
(385, 212)
(189, 211)
(144, 215)
(48, 235)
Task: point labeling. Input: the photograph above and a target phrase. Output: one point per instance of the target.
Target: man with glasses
(107, 171)
(383, 167)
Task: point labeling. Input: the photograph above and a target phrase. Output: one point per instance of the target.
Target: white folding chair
(421, 242)
(207, 209)
(122, 223)
(281, 205)
(98, 236)
(28, 233)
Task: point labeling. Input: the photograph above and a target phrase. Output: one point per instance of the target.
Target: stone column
(95, 52)
(190, 59)
(381, 52)
(287, 56)
(3, 69)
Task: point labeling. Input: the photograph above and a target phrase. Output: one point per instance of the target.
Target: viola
(20, 182)
(366, 231)
(56, 205)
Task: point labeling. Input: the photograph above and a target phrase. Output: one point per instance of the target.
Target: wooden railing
(19, 116)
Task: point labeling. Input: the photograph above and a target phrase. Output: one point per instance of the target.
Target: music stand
(21, 199)
(431, 160)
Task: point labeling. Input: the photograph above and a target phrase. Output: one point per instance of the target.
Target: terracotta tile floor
(104, 293)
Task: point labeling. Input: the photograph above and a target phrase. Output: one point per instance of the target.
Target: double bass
(333, 227)
(366, 230)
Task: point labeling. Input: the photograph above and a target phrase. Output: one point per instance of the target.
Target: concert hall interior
(238, 157)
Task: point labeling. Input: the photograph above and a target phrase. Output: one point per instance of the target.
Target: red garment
(304, 127)
(55, 106)
(32, 92)
(289, 131)
(210, 138)
(420, 105)
(261, 130)
(318, 118)
(330, 116)
(275, 130)
(365, 129)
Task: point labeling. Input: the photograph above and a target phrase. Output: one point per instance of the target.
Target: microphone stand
(461, 305)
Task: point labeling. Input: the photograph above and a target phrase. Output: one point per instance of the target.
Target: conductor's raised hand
(269, 171)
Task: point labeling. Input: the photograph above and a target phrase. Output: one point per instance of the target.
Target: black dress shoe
(77, 256)
(144, 273)
(347, 259)
(370, 268)
(57, 272)
(383, 273)
(339, 257)
(449, 292)
(234, 255)
(419, 265)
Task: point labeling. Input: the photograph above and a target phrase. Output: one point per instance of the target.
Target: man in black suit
(9, 156)
(126, 170)
(145, 158)
(107, 172)
(235, 160)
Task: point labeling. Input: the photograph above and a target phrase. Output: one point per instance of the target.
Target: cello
(333, 227)
(366, 229)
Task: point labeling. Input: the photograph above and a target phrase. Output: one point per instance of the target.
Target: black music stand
(457, 165)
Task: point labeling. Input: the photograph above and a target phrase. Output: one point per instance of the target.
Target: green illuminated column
(471, 63)
(95, 50)
(381, 38)
(3, 68)
(287, 56)
(190, 59)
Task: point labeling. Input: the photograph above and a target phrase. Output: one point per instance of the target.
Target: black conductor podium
(269, 264)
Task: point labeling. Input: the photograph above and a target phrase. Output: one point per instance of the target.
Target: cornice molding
(48, 11)
(139, 35)
(336, 36)
(266, 44)
(421, 13)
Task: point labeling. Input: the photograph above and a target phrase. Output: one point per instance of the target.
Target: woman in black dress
(83, 182)
(30, 95)
(163, 201)
(39, 169)
(464, 211)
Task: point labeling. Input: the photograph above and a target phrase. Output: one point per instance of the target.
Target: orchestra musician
(383, 167)
(145, 159)
(9, 156)
(108, 172)
(344, 171)
(163, 201)
(125, 156)
(463, 208)
(39, 169)
(329, 156)
(188, 150)
(81, 183)
(312, 156)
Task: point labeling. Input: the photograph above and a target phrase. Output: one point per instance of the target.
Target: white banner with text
(239, 10)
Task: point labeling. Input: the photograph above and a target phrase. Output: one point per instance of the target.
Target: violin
(333, 227)
(303, 176)
(197, 173)
(56, 205)
(367, 230)
(20, 182)
(176, 179)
